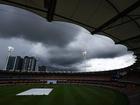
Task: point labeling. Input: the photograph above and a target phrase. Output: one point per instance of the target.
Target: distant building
(32, 64)
(14, 63)
(42, 68)
(10, 63)
(18, 63)
(25, 63)
(29, 63)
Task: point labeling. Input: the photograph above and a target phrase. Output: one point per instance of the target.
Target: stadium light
(10, 50)
(84, 53)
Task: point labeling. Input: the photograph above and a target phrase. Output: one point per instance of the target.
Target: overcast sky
(58, 44)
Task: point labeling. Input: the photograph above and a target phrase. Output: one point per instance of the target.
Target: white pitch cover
(36, 91)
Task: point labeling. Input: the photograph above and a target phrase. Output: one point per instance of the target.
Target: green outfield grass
(62, 95)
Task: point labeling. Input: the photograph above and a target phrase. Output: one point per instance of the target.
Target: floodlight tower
(10, 50)
(84, 53)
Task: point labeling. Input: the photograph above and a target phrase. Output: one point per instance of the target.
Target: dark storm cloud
(57, 44)
(60, 55)
(15, 22)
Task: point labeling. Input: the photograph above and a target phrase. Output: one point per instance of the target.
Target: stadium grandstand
(116, 19)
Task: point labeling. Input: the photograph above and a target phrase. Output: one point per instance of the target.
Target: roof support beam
(50, 5)
(131, 19)
(126, 40)
(118, 16)
(110, 3)
(125, 22)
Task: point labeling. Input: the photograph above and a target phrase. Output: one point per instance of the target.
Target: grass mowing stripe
(114, 97)
(99, 95)
(62, 95)
(57, 96)
(90, 99)
(68, 96)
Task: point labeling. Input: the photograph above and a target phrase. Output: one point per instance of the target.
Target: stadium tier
(126, 85)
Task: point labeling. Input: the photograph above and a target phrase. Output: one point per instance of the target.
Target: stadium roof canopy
(118, 19)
